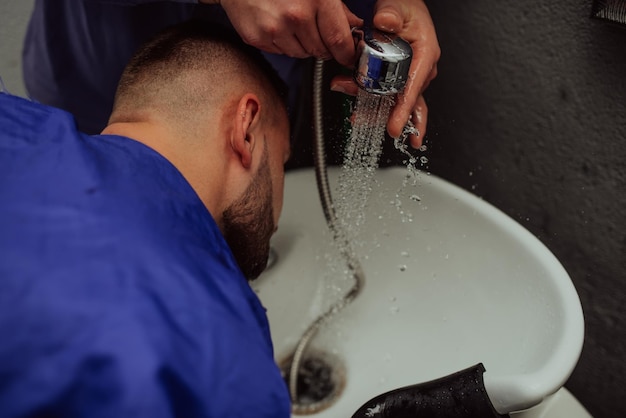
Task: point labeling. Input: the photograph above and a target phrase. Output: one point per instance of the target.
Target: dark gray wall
(529, 112)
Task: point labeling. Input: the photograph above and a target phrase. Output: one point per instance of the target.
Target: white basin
(460, 284)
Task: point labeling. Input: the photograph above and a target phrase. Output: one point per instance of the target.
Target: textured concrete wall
(13, 21)
(529, 112)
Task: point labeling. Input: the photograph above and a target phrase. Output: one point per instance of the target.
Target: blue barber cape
(118, 295)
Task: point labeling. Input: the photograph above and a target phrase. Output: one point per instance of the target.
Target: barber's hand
(410, 20)
(297, 28)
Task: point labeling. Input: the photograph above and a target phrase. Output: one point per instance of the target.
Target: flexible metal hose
(321, 175)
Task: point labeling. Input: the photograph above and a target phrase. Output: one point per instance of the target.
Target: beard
(248, 223)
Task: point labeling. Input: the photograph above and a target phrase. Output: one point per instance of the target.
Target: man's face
(251, 220)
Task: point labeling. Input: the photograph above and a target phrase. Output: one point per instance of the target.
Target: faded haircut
(193, 47)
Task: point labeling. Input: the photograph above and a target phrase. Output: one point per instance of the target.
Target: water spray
(382, 69)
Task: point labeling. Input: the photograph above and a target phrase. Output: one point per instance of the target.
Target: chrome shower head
(383, 61)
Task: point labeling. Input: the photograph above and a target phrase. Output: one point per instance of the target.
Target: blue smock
(118, 295)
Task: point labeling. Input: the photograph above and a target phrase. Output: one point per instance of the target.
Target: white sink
(460, 284)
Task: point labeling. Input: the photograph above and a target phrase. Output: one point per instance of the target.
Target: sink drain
(321, 379)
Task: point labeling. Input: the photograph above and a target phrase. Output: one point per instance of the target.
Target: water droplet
(415, 198)
(402, 267)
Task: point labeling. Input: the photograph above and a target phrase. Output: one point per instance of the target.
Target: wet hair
(196, 47)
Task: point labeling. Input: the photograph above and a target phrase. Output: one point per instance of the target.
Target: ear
(245, 132)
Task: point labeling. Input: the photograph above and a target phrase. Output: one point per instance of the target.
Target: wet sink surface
(458, 284)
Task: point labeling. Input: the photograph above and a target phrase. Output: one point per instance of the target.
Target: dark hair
(176, 42)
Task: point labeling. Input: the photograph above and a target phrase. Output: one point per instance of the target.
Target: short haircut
(200, 47)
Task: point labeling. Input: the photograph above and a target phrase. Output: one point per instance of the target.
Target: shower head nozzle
(383, 61)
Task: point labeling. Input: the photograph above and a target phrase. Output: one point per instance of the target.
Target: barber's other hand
(410, 20)
(297, 28)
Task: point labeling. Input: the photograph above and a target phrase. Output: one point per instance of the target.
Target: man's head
(216, 110)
